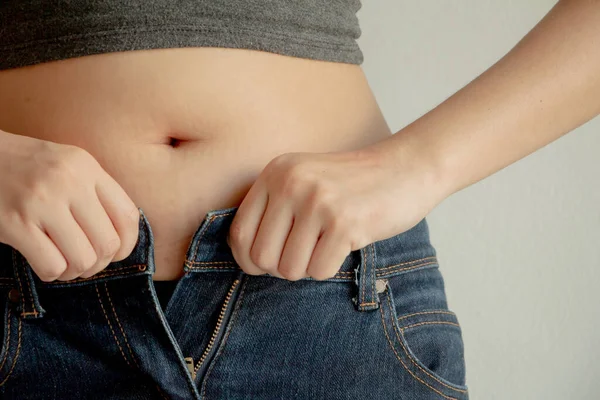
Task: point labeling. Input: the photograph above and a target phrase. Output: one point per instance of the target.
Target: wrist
(410, 151)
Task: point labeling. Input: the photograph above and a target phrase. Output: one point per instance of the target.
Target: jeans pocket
(424, 335)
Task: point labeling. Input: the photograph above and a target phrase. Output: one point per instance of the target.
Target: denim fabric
(379, 329)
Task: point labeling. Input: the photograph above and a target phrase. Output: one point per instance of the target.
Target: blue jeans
(379, 329)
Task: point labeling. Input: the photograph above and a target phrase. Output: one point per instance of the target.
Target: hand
(306, 212)
(58, 207)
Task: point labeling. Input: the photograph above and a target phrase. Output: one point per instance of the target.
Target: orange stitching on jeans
(411, 359)
(17, 272)
(379, 273)
(15, 358)
(402, 362)
(207, 266)
(372, 271)
(224, 341)
(408, 262)
(426, 312)
(210, 221)
(409, 268)
(429, 323)
(24, 314)
(380, 270)
(364, 266)
(111, 272)
(110, 326)
(34, 312)
(365, 276)
(119, 323)
(7, 343)
(209, 262)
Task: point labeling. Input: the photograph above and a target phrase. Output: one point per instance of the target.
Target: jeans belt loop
(28, 301)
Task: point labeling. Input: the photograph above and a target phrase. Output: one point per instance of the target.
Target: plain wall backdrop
(519, 250)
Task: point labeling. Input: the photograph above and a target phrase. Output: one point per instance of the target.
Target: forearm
(546, 86)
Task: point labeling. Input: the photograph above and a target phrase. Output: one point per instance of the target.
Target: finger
(328, 256)
(244, 226)
(72, 242)
(39, 250)
(272, 234)
(99, 229)
(123, 213)
(299, 248)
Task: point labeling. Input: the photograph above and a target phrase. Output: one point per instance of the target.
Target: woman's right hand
(66, 215)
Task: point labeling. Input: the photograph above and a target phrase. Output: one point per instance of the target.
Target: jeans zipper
(224, 315)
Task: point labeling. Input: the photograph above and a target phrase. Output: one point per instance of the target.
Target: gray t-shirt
(36, 31)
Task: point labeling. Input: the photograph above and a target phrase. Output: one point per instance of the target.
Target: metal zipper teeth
(211, 342)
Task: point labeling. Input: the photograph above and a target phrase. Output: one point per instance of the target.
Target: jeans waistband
(208, 251)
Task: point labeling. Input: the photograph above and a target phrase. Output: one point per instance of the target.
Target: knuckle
(92, 272)
(322, 199)
(281, 160)
(321, 275)
(275, 163)
(47, 278)
(252, 270)
(74, 155)
(52, 273)
(236, 234)
(291, 274)
(37, 189)
(83, 264)
(259, 257)
(17, 217)
(109, 248)
(294, 181)
(342, 218)
(57, 167)
(66, 165)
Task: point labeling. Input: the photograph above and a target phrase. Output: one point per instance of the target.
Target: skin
(305, 211)
(74, 128)
(347, 183)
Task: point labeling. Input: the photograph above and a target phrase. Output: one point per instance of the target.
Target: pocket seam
(111, 327)
(400, 339)
(427, 312)
(402, 362)
(6, 344)
(16, 356)
(429, 323)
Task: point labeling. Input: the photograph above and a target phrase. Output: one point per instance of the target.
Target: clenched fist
(59, 208)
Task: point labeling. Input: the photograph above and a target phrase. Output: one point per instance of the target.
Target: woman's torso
(232, 110)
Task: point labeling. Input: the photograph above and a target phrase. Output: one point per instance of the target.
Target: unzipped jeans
(379, 329)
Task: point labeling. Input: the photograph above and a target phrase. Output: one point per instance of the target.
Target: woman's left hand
(306, 212)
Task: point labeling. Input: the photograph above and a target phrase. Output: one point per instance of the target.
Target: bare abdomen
(185, 131)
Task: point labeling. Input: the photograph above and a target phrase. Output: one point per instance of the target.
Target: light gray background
(519, 250)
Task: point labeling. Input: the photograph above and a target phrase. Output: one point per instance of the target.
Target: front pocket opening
(429, 345)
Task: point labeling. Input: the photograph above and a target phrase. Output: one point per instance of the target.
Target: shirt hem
(302, 45)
